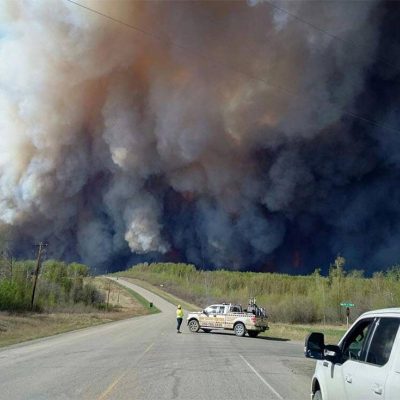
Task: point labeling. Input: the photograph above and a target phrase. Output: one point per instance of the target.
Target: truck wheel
(239, 329)
(253, 333)
(194, 325)
(317, 395)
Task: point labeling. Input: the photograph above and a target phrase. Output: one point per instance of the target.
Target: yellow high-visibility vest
(179, 313)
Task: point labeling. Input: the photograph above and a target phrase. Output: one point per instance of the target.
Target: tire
(253, 333)
(206, 330)
(194, 325)
(239, 329)
(317, 395)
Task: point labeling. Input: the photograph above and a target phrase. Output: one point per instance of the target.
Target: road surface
(144, 358)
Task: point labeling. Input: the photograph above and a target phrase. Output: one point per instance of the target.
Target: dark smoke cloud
(218, 133)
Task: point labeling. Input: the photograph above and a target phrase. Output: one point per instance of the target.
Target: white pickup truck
(366, 363)
(252, 321)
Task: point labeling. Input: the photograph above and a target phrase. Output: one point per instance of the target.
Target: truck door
(366, 377)
(208, 318)
(392, 387)
(333, 375)
(220, 317)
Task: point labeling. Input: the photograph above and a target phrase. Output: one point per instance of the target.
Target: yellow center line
(111, 387)
(148, 348)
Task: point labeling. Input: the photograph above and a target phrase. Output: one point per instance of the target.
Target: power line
(295, 16)
(144, 32)
(234, 69)
(319, 29)
(185, 47)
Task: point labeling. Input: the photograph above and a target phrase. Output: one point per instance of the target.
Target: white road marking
(262, 379)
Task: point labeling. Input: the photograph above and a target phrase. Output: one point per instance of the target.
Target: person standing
(179, 318)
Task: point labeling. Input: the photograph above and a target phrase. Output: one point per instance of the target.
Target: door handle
(325, 364)
(349, 379)
(378, 389)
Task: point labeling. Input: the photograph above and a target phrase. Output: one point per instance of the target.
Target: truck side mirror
(314, 346)
(205, 312)
(333, 353)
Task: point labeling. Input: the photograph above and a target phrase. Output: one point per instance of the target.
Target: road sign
(347, 304)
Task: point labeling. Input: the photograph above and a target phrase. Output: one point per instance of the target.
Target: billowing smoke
(226, 134)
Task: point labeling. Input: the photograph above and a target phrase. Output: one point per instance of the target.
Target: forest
(288, 298)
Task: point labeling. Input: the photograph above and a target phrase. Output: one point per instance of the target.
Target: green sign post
(347, 305)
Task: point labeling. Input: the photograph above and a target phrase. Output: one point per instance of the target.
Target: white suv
(366, 363)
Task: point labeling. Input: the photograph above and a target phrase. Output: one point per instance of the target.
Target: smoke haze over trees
(224, 134)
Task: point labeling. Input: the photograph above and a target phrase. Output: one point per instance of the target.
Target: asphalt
(144, 358)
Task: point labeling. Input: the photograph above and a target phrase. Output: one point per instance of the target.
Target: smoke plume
(246, 135)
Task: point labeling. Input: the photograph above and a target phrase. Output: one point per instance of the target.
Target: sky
(258, 135)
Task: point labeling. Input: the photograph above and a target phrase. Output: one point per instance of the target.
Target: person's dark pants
(178, 324)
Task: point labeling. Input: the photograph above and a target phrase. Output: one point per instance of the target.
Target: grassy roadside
(124, 303)
(141, 300)
(162, 293)
(277, 331)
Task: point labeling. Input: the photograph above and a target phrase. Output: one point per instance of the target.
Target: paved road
(144, 358)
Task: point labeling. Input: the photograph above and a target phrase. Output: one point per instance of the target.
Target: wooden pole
(38, 261)
(11, 268)
(108, 294)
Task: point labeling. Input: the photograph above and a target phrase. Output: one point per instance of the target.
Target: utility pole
(11, 268)
(108, 294)
(38, 263)
(6, 260)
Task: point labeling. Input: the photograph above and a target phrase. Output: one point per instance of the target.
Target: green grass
(165, 295)
(141, 300)
(17, 328)
(299, 332)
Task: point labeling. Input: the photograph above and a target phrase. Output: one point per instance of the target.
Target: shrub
(59, 285)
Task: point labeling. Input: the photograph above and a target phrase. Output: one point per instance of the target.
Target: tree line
(60, 286)
(293, 299)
